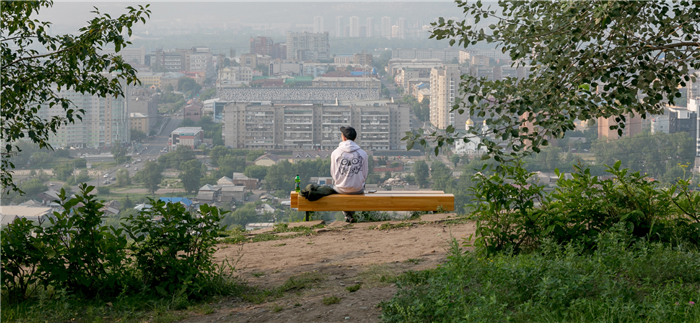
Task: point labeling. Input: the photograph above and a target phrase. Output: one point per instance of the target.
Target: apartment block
(143, 109)
(370, 84)
(445, 55)
(369, 24)
(129, 55)
(105, 122)
(308, 46)
(315, 126)
(354, 26)
(318, 24)
(444, 87)
(362, 58)
(633, 126)
(265, 46)
(426, 65)
(386, 27)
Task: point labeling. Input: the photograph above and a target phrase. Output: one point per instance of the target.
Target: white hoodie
(349, 167)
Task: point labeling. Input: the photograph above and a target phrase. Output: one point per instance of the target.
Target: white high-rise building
(104, 123)
(386, 27)
(401, 23)
(369, 23)
(339, 26)
(318, 24)
(354, 26)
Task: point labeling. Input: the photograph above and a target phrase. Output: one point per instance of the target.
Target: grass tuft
(330, 300)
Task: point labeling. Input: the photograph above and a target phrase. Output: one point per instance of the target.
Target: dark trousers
(350, 215)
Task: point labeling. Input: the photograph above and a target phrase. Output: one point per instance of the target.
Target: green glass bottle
(297, 183)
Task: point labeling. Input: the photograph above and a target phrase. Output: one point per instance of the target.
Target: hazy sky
(67, 16)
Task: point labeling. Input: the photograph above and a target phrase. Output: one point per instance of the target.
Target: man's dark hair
(349, 133)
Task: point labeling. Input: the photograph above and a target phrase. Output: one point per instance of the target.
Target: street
(151, 151)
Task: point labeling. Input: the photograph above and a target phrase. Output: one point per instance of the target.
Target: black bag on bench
(313, 192)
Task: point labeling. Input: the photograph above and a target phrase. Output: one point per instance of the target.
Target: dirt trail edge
(337, 257)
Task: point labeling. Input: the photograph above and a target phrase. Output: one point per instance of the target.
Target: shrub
(21, 254)
(620, 281)
(90, 258)
(173, 248)
(514, 215)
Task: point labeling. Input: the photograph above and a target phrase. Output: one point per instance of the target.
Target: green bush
(21, 254)
(620, 281)
(90, 258)
(170, 253)
(514, 215)
(173, 249)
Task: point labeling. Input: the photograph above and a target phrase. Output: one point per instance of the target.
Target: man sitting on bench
(349, 167)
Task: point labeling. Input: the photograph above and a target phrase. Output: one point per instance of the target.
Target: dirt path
(335, 258)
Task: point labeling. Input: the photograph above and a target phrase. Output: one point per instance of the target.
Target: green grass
(353, 288)
(330, 300)
(620, 281)
(377, 275)
(414, 261)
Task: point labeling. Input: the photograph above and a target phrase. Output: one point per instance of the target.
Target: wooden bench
(378, 201)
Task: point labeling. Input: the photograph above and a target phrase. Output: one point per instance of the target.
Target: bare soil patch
(339, 256)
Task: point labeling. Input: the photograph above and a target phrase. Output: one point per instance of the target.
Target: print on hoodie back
(349, 167)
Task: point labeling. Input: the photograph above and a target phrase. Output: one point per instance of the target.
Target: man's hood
(348, 146)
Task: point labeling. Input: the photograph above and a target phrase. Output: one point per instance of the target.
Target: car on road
(138, 160)
(127, 166)
(136, 168)
(106, 182)
(106, 175)
(113, 178)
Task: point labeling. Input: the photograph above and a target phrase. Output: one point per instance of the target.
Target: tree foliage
(421, 172)
(190, 173)
(150, 176)
(30, 76)
(588, 59)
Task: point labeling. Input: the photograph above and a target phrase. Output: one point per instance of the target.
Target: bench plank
(294, 195)
(376, 202)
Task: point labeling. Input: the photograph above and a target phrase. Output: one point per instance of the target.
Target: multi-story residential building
(140, 122)
(369, 25)
(464, 56)
(318, 25)
(339, 26)
(253, 60)
(342, 59)
(265, 46)
(186, 136)
(104, 123)
(362, 58)
(143, 109)
(444, 87)
(199, 59)
(444, 54)
(480, 60)
(425, 65)
(313, 126)
(386, 27)
(129, 54)
(401, 32)
(229, 76)
(633, 126)
(149, 78)
(173, 61)
(354, 26)
(308, 46)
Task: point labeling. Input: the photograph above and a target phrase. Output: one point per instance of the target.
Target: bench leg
(308, 214)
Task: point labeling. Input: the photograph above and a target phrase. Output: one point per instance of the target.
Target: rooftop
(187, 130)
